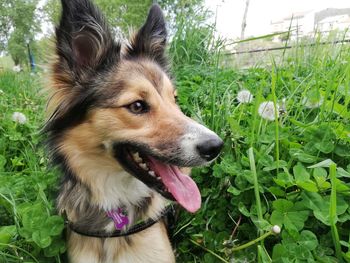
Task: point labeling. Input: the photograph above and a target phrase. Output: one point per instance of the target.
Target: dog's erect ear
(150, 40)
(84, 40)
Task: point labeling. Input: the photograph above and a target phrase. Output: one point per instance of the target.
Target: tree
(125, 14)
(5, 23)
(19, 24)
(176, 8)
(121, 14)
(244, 21)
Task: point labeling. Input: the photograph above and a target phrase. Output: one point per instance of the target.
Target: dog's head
(124, 99)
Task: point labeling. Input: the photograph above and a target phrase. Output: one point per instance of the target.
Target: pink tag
(120, 220)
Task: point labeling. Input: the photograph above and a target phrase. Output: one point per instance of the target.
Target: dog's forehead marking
(153, 75)
(150, 71)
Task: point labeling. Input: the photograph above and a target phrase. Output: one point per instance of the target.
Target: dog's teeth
(143, 166)
(137, 157)
(152, 173)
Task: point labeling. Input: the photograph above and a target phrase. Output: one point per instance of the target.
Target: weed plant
(29, 229)
(290, 173)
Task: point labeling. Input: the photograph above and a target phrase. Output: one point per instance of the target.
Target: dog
(119, 138)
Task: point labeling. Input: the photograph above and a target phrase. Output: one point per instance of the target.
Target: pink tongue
(180, 185)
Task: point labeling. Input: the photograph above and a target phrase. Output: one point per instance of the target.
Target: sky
(229, 13)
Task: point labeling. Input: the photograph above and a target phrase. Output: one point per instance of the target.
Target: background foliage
(121, 14)
(19, 23)
(293, 172)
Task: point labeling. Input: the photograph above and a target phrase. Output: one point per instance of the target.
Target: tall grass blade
(333, 213)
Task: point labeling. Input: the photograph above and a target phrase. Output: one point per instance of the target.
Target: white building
(339, 22)
(306, 23)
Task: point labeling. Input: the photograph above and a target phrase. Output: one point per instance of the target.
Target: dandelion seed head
(244, 96)
(276, 229)
(19, 117)
(267, 110)
(16, 68)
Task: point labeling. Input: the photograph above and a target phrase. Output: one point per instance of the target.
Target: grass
(29, 230)
(292, 172)
(310, 85)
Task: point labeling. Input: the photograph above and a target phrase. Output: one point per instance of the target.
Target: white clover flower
(276, 229)
(244, 96)
(312, 103)
(267, 110)
(16, 68)
(1, 92)
(19, 117)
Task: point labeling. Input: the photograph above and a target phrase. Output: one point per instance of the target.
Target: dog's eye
(138, 107)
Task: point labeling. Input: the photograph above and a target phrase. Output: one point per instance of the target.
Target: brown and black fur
(95, 79)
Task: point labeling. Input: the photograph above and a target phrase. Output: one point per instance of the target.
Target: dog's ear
(150, 40)
(84, 40)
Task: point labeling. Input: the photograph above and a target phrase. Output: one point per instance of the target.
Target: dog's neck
(95, 183)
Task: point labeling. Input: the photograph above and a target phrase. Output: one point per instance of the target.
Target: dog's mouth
(167, 179)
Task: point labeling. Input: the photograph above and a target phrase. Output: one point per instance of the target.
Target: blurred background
(27, 26)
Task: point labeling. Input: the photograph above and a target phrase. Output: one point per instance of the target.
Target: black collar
(121, 233)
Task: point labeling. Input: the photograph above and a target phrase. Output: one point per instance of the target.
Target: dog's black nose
(210, 148)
